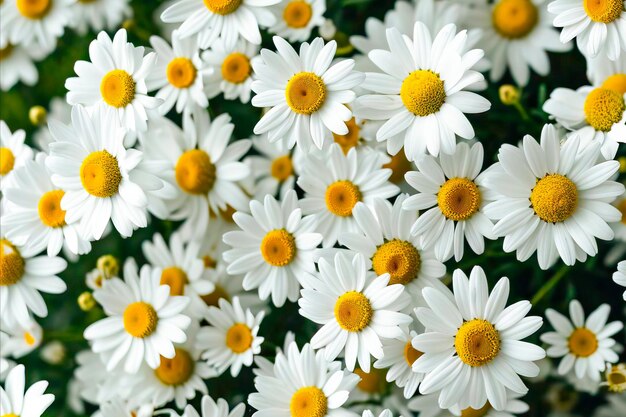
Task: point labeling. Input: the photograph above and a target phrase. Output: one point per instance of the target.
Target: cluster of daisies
(363, 180)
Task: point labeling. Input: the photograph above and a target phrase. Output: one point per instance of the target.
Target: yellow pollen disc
(278, 247)
(34, 9)
(481, 412)
(477, 342)
(555, 198)
(11, 264)
(514, 19)
(117, 88)
(6, 51)
(175, 371)
(140, 319)
(458, 199)
(181, 72)
(603, 11)
(372, 382)
(282, 168)
(308, 402)
(604, 108)
(621, 206)
(29, 339)
(10, 415)
(616, 82)
(7, 160)
(399, 259)
(50, 211)
(236, 68)
(176, 278)
(423, 92)
(411, 354)
(297, 14)
(209, 262)
(341, 197)
(353, 311)
(222, 7)
(616, 378)
(399, 166)
(582, 342)
(305, 93)
(195, 173)
(239, 338)
(350, 139)
(100, 174)
(217, 294)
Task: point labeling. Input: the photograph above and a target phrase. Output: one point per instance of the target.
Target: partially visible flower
(15, 402)
(295, 19)
(99, 14)
(38, 23)
(17, 63)
(615, 377)
(619, 276)
(211, 408)
(13, 153)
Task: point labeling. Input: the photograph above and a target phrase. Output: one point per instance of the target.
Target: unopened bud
(86, 301)
(37, 115)
(509, 94)
(108, 265)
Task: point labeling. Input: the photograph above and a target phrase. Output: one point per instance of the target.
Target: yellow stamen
(477, 342)
(305, 93)
(50, 211)
(582, 342)
(236, 68)
(341, 197)
(308, 402)
(282, 168)
(100, 174)
(350, 139)
(603, 108)
(616, 378)
(209, 262)
(117, 88)
(555, 198)
(218, 293)
(411, 354)
(239, 338)
(423, 92)
(11, 264)
(399, 259)
(372, 382)
(140, 319)
(29, 339)
(621, 206)
(181, 72)
(222, 7)
(603, 11)
(278, 247)
(514, 19)
(195, 173)
(175, 371)
(458, 199)
(7, 160)
(6, 51)
(353, 311)
(616, 82)
(176, 278)
(399, 166)
(297, 14)
(34, 9)
(481, 412)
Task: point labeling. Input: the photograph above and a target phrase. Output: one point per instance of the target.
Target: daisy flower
(225, 19)
(597, 25)
(231, 339)
(18, 340)
(98, 385)
(615, 376)
(606, 73)
(334, 183)
(451, 200)
(40, 22)
(274, 248)
(15, 402)
(118, 408)
(303, 383)
(115, 80)
(420, 94)
(99, 15)
(211, 408)
(472, 345)
(585, 345)
(272, 169)
(427, 406)
(355, 307)
(59, 110)
(295, 19)
(13, 153)
(144, 320)
(307, 94)
(593, 114)
(17, 64)
(619, 276)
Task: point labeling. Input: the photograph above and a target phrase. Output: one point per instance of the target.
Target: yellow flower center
(297, 14)
(11, 263)
(621, 206)
(481, 412)
(458, 199)
(176, 278)
(350, 139)
(239, 338)
(7, 160)
(423, 92)
(212, 299)
(100, 174)
(6, 51)
(341, 197)
(604, 108)
(117, 88)
(34, 9)
(477, 342)
(222, 7)
(140, 319)
(10, 415)
(399, 166)
(353, 311)
(582, 342)
(308, 402)
(181, 72)
(236, 68)
(555, 198)
(175, 371)
(278, 247)
(399, 259)
(616, 378)
(514, 19)
(195, 173)
(305, 93)
(208, 261)
(50, 211)
(372, 382)
(411, 354)
(616, 82)
(29, 338)
(603, 11)
(282, 168)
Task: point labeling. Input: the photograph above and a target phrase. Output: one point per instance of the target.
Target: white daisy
(307, 94)
(451, 199)
(40, 22)
(272, 169)
(231, 339)
(211, 408)
(17, 64)
(143, 321)
(609, 74)
(384, 413)
(427, 406)
(295, 19)
(13, 153)
(226, 19)
(115, 80)
(619, 276)
(98, 385)
(119, 408)
(334, 183)
(58, 110)
(15, 402)
(552, 199)
(472, 345)
(420, 94)
(355, 307)
(99, 15)
(584, 345)
(19, 340)
(615, 377)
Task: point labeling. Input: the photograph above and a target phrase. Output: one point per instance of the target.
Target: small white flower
(13, 152)
(211, 408)
(15, 402)
(295, 19)
(17, 63)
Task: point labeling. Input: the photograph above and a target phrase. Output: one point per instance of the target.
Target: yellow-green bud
(37, 115)
(86, 302)
(108, 265)
(622, 164)
(509, 94)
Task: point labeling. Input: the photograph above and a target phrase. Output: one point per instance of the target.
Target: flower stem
(550, 284)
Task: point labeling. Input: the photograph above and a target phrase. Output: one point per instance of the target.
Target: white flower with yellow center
(40, 22)
(231, 72)
(597, 25)
(13, 153)
(334, 183)
(17, 64)
(552, 199)
(471, 336)
(619, 276)
(585, 345)
(428, 406)
(295, 19)
(307, 94)
(274, 248)
(35, 217)
(228, 287)
(144, 320)
(211, 408)
(303, 384)
(15, 402)
(356, 308)
(615, 376)
(99, 15)
(273, 168)
(19, 340)
(421, 93)
(451, 200)
(602, 71)
(231, 340)
(225, 19)
(115, 80)
(97, 385)
(178, 74)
